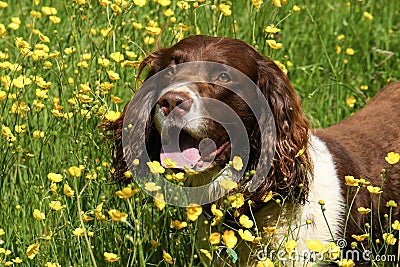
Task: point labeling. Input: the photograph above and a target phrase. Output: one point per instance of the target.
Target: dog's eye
(170, 71)
(224, 77)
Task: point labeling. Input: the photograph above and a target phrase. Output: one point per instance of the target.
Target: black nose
(178, 101)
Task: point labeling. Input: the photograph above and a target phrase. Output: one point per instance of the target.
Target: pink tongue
(184, 154)
(189, 156)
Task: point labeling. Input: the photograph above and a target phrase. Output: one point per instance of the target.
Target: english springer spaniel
(307, 165)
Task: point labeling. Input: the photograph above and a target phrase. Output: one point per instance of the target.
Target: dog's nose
(179, 101)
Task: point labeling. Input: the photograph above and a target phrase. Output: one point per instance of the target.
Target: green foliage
(56, 90)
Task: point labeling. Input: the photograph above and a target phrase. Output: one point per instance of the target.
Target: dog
(307, 166)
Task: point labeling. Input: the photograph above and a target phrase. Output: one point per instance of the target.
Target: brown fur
(358, 144)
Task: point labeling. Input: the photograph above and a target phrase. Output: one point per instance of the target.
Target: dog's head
(197, 94)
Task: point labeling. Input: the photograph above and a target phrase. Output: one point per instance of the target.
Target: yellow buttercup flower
(392, 158)
(126, 192)
(115, 99)
(391, 203)
(85, 88)
(148, 40)
(274, 45)
(116, 9)
(179, 177)
(53, 188)
(315, 245)
(78, 232)
(99, 215)
(170, 163)
(111, 257)
(228, 184)
(21, 81)
(38, 215)
(245, 221)
(140, 3)
(257, 3)
(68, 191)
(265, 263)
(206, 253)
(3, 30)
(105, 2)
(351, 181)
(178, 224)
(155, 167)
(85, 217)
(46, 10)
(117, 56)
(290, 246)
(189, 170)
(154, 243)
(269, 230)
(368, 15)
(164, 2)
(32, 250)
(237, 163)
(389, 238)
(268, 196)
(75, 171)
(360, 238)
(159, 201)
(56, 205)
(17, 260)
(117, 215)
(55, 19)
(3, 4)
(112, 115)
(225, 9)
(332, 251)
(167, 257)
(151, 186)
(218, 214)
(107, 86)
(346, 263)
(215, 238)
(396, 225)
(104, 62)
(236, 200)
(137, 25)
(363, 210)
(279, 3)
(3, 95)
(272, 29)
(183, 5)
(194, 211)
(374, 190)
(296, 9)
(153, 30)
(113, 75)
(6, 131)
(38, 134)
(55, 177)
(350, 51)
(229, 238)
(246, 235)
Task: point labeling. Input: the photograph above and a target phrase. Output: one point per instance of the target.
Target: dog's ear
(132, 130)
(291, 164)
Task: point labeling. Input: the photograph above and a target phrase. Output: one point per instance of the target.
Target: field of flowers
(68, 66)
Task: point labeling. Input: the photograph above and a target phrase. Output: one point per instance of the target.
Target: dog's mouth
(188, 151)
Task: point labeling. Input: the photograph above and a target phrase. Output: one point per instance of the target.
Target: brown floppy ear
(135, 123)
(289, 172)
